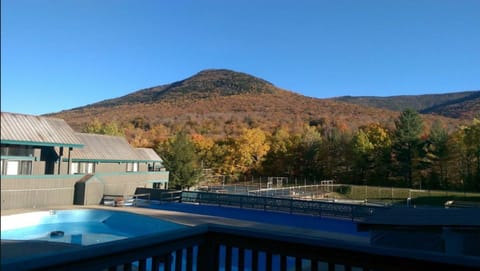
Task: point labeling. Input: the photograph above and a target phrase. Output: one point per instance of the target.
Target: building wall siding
(125, 184)
(94, 192)
(36, 191)
(89, 191)
(19, 192)
(110, 167)
(38, 168)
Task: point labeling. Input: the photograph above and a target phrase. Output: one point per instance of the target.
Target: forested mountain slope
(226, 123)
(462, 105)
(218, 102)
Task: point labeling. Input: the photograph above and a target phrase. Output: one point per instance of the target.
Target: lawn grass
(399, 196)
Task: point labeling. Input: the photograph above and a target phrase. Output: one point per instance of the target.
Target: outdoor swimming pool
(81, 227)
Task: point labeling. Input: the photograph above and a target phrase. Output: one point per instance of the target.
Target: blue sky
(61, 54)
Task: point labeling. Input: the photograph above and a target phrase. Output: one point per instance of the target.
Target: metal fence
(288, 205)
(327, 190)
(161, 195)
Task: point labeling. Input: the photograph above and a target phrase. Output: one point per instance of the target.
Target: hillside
(467, 107)
(220, 102)
(461, 105)
(205, 84)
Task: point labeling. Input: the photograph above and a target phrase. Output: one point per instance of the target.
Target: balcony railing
(219, 247)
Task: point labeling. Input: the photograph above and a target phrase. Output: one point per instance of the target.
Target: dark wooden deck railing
(218, 247)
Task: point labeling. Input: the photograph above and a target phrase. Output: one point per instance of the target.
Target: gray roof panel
(37, 130)
(104, 148)
(147, 154)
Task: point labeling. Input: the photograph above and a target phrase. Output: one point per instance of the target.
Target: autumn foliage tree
(407, 153)
(105, 128)
(371, 146)
(279, 158)
(469, 141)
(250, 148)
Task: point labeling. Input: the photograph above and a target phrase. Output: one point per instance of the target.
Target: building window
(74, 168)
(15, 167)
(155, 167)
(25, 168)
(89, 167)
(16, 150)
(82, 168)
(132, 167)
(12, 167)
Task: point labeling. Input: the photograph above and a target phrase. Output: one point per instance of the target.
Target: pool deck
(425, 217)
(18, 249)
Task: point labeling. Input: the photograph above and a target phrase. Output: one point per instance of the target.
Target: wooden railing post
(167, 262)
(228, 258)
(178, 259)
(208, 254)
(298, 264)
(313, 265)
(283, 263)
(142, 265)
(190, 259)
(241, 259)
(254, 259)
(269, 261)
(155, 262)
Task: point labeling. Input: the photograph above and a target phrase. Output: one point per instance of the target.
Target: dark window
(16, 150)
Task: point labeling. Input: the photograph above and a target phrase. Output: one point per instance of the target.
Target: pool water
(81, 227)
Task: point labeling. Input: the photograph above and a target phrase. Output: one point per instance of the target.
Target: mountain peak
(225, 74)
(222, 82)
(205, 84)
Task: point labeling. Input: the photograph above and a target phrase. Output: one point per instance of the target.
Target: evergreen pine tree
(409, 127)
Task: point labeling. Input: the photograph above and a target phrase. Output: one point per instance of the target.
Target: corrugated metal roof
(148, 154)
(36, 130)
(104, 148)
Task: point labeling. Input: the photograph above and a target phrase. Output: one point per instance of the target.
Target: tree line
(405, 155)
